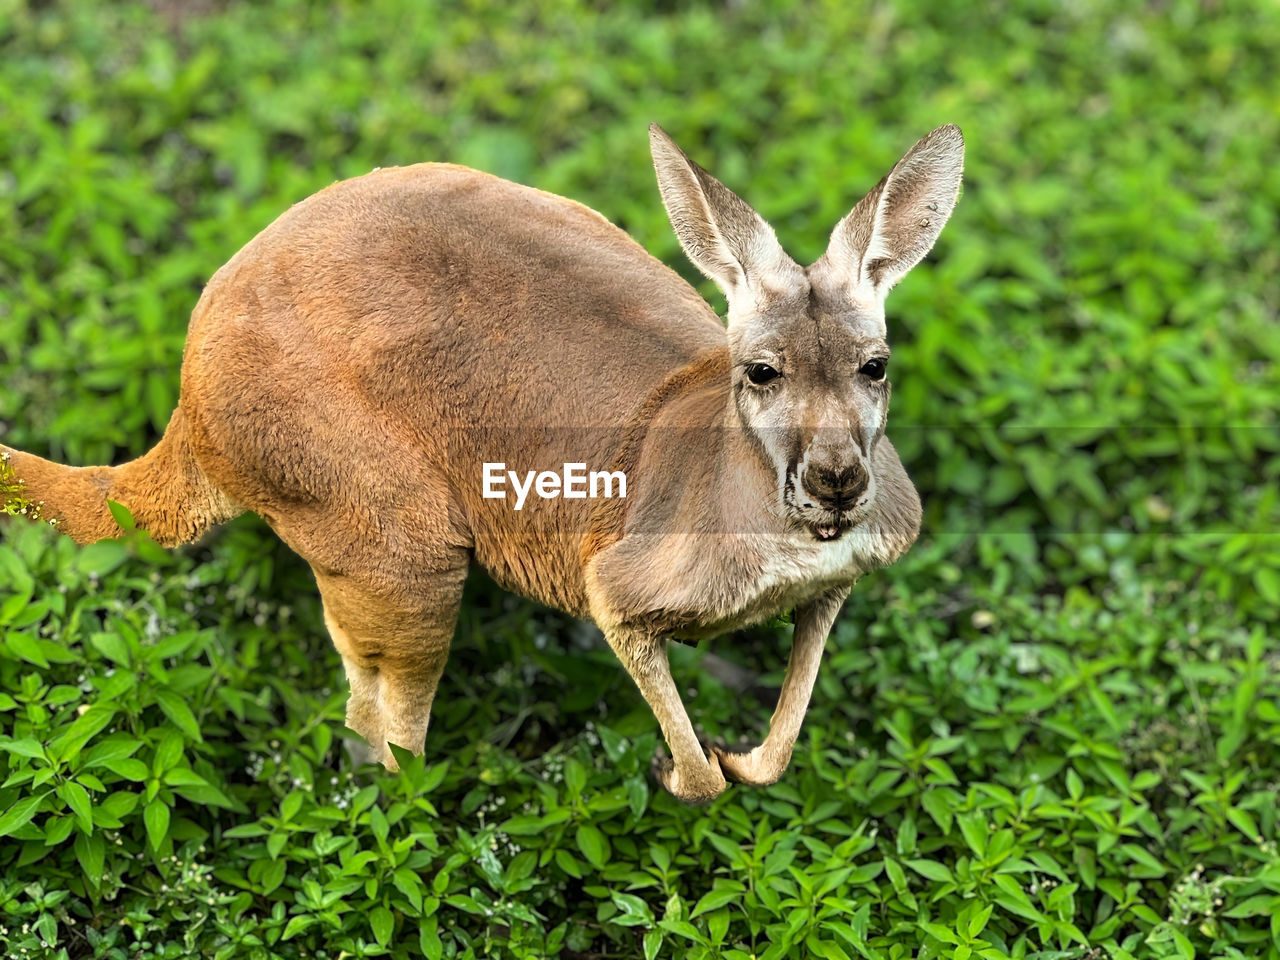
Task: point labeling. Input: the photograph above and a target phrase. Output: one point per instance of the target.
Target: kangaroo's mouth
(824, 523)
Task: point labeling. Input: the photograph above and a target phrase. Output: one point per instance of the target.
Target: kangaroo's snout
(835, 482)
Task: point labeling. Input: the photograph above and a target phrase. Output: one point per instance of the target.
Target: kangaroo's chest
(789, 574)
(695, 587)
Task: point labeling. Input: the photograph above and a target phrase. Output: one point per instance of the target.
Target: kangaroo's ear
(896, 224)
(726, 239)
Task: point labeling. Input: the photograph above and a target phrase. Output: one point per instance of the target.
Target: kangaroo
(348, 374)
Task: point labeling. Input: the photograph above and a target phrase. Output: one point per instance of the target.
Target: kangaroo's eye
(761, 373)
(874, 368)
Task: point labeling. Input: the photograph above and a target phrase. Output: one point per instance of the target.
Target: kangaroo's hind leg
(358, 493)
(394, 648)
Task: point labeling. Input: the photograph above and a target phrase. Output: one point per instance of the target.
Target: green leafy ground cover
(1051, 731)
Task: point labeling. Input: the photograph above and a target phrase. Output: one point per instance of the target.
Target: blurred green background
(1051, 731)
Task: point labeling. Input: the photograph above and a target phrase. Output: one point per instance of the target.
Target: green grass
(1052, 730)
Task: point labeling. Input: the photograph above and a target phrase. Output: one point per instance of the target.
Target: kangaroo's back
(423, 284)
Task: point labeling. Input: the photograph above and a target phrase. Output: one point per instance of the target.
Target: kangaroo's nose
(835, 486)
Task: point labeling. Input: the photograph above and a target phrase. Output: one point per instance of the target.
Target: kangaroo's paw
(751, 766)
(698, 785)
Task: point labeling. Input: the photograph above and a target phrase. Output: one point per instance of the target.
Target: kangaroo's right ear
(720, 232)
(896, 224)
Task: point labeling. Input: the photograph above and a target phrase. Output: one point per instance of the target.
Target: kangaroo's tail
(166, 491)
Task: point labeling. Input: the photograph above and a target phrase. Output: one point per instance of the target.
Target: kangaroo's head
(807, 345)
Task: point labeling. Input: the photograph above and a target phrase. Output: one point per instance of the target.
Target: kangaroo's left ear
(896, 224)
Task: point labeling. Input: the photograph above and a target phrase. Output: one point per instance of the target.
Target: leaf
(974, 828)
(593, 844)
(101, 558)
(168, 751)
(1184, 945)
(979, 921)
(469, 904)
(25, 646)
(68, 746)
(826, 949)
(1148, 866)
(381, 921)
(274, 875)
(860, 922)
(407, 882)
(1021, 908)
(931, 870)
(1015, 899)
(1267, 582)
(131, 768)
(184, 777)
(24, 748)
(77, 798)
(1259, 905)
(865, 873)
(938, 804)
(528, 824)
(110, 750)
(637, 795)
(176, 709)
(291, 804)
(275, 843)
(91, 851)
(715, 899)
(939, 932)
(570, 864)
(899, 880)
(429, 941)
(297, 924)
(378, 824)
(118, 805)
(207, 794)
(575, 777)
(633, 912)
(47, 927)
(12, 570)
(121, 515)
(433, 777)
(245, 830)
(57, 829)
(20, 813)
(411, 765)
(1245, 823)
(112, 646)
(156, 818)
(684, 929)
(13, 606)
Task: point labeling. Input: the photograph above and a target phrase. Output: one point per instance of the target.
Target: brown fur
(607, 520)
(350, 369)
(171, 497)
